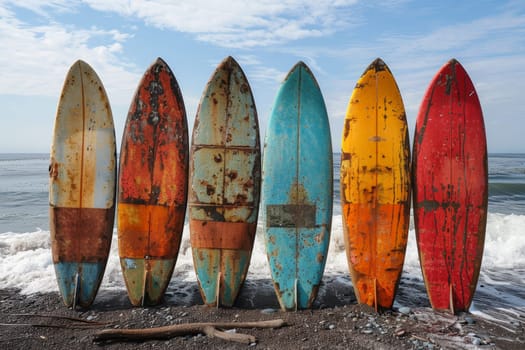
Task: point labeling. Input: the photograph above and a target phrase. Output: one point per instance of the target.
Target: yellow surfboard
(375, 186)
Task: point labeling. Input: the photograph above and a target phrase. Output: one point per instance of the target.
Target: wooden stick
(210, 329)
(41, 325)
(67, 318)
(236, 337)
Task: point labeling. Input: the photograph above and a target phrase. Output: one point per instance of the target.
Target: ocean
(25, 256)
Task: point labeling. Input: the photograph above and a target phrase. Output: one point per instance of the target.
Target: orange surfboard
(153, 181)
(375, 186)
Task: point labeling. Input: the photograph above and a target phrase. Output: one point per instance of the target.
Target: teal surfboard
(297, 189)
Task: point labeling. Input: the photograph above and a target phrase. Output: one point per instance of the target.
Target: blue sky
(337, 39)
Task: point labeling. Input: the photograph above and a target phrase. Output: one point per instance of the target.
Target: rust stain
(81, 234)
(222, 235)
(157, 237)
(346, 131)
(225, 179)
(53, 170)
(154, 149)
(153, 172)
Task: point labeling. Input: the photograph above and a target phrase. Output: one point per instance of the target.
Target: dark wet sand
(336, 321)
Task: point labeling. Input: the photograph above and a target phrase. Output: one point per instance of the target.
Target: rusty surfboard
(450, 188)
(225, 181)
(82, 185)
(375, 186)
(153, 185)
(297, 189)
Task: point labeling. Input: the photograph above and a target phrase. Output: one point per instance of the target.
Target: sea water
(25, 255)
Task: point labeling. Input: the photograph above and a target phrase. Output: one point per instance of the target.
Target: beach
(41, 321)
(32, 313)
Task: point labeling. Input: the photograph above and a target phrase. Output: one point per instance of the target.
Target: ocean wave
(506, 189)
(30, 252)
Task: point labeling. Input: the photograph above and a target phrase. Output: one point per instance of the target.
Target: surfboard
(82, 182)
(450, 188)
(225, 176)
(153, 185)
(297, 189)
(375, 186)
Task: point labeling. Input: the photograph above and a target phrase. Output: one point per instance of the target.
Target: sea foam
(25, 258)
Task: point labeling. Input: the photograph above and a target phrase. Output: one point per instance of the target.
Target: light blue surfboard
(297, 189)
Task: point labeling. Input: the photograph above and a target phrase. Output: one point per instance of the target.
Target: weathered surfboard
(297, 189)
(225, 181)
(153, 185)
(82, 185)
(450, 188)
(375, 186)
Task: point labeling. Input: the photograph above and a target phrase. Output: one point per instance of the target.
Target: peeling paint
(297, 189)
(225, 180)
(375, 186)
(450, 188)
(152, 184)
(82, 179)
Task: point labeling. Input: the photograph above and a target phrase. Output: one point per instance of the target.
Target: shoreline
(336, 321)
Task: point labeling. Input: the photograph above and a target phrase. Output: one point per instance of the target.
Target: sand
(39, 321)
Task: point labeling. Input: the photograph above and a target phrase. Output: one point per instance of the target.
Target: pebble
(400, 332)
(404, 310)
(469, 320)
(268, 311)
(476, 341)
(331, 327)
(367, 331)
(91, 317)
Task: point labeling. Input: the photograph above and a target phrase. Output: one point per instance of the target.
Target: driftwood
(67, 318)
(72, 322)
(211, 329)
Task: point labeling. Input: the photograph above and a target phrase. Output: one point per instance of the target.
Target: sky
(337, 39)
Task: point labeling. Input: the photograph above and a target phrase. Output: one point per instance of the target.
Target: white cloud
(42, 7)
(258, 71)
(238, 23)
(40, 55)
(461, 36)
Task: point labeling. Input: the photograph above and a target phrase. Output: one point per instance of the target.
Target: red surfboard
(450, 188)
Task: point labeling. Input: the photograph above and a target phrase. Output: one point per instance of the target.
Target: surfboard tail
(375, 294)
(296, 302)
(451, 299)
(77, 290)
(145, 287)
